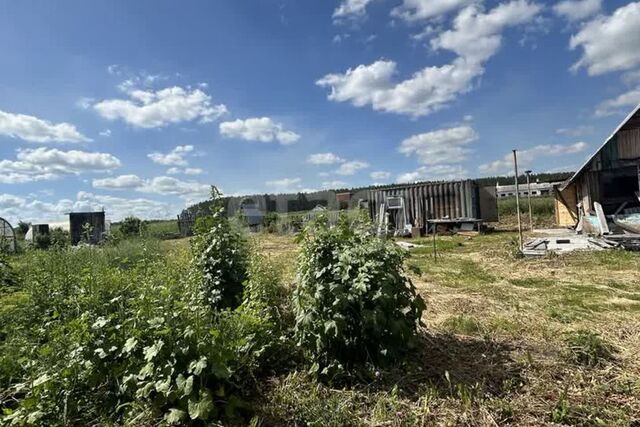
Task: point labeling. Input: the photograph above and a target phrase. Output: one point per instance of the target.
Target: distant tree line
(522, 179)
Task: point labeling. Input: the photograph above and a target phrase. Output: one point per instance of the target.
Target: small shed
(7, 236)
(611, 177)
(36, 230)
(89, 227)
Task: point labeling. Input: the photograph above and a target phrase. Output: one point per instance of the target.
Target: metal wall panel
(438, 200)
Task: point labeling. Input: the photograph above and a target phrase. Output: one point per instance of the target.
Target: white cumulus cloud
(351, 167)
(287, 185)
(43, 164)
(33, 129)
(434, 173)
(610, 43)
(440, 146)
(166, 185)
(415, 10)
(262, 129)
(117, 208)
(621, 104)
(175, 157)
(185, 171)
(328, 185)
(324, 159)
(351, 10)
(527, 156)
(284, 182)
(118, 182)
(475, 37)
(161, 185)
(577, 10)
(576, 131)
(31, 209)
(380, 175)
(153, 109)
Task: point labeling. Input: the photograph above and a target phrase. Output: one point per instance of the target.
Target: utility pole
(515, 165)
(528, 173)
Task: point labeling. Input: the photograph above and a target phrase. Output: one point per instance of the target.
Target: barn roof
(632, 121)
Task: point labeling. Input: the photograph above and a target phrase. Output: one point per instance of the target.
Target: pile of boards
(563, 244)
(622, 228)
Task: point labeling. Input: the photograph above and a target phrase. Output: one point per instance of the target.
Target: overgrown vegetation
(129, 334)
(588, 348)
(150, 229)
(120, 342)
(540, 206)
(353, 303)
(123, 334)
(220, 257)
(132, 226)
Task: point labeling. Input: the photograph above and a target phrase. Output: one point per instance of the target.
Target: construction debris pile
(622, 227)
(595, 231)
(564, 242)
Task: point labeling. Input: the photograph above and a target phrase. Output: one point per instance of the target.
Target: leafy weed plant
(353, 303)
(588, 348)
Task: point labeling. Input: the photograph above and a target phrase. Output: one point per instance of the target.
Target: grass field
(504, 343)
(542, 211)
(157, 229)
(507, 340)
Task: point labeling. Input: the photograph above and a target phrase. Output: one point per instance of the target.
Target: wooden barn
(611, 177)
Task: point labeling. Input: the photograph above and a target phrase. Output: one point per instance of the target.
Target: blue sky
(138, 107)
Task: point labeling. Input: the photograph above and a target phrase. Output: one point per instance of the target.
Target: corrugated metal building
(439, 200)
(611, 176)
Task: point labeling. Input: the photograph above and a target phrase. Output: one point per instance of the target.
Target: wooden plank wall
(566, 210)
(629, 144)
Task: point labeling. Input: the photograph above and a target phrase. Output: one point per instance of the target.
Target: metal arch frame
(4, 225)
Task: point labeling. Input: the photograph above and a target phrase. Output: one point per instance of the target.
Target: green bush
(7, 275)
(353, 302)
(42, 241)
(270, 222)
(98, 342)
(265, 292)
(59, 238)
(22, 228)
(163, 230)
(132, 226)
(295, 222)
(221, 257)
(203, 224)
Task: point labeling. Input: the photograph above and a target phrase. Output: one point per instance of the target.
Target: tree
(23, 227)
(354, 304)
(132, 226)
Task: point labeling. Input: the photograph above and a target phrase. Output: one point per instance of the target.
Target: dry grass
(497, 349)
